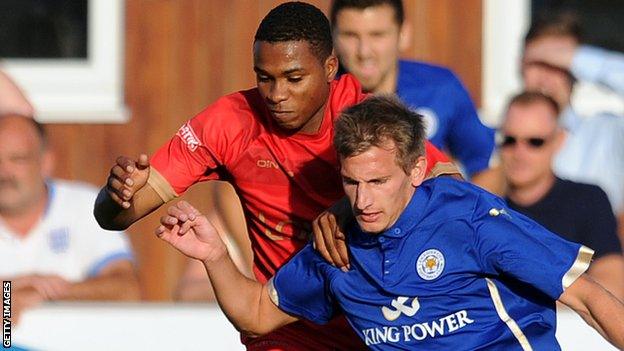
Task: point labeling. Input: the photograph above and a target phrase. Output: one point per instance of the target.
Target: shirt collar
(411, 215)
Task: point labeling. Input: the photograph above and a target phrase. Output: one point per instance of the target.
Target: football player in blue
(369, 38)
(436, 264)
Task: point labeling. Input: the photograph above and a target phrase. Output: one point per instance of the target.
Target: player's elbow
(255, 331)
(105, 222)
(108, 214)
(254, 325)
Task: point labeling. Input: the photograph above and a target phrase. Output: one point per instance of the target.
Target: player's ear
(331, 67)
(405, 36)
(418, 173)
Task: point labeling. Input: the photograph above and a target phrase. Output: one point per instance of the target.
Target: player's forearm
(111, 216)
(195, 290)
(608, 271)
(239, 297)
(608, 313)
(598, 307)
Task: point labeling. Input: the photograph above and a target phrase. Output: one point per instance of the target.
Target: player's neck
(313, 126)
(530, 194)
(388, 84)
(22, 221)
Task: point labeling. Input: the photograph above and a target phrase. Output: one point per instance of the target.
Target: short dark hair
(532, 97)
(297, 21)
(337, 5)
(562, 23)
(374, 122)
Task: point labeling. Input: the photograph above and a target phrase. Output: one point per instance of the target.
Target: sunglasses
(509, 140)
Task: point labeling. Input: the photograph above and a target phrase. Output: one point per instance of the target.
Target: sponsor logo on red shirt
(189, 137)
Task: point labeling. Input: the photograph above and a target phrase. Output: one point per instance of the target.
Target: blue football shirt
(457, 271)
(451, 121)
(450, 116)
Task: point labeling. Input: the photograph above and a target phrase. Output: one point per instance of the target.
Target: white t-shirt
(67, 241)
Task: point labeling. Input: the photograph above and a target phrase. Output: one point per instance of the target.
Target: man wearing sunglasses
(554, 59)
(578, 212)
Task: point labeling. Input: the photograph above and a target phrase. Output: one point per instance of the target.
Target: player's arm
(127, 195)
(245, 302)
(598, 307)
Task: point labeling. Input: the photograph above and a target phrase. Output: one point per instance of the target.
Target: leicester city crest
(430, 264)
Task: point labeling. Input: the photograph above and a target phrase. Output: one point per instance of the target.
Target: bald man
(50, 245)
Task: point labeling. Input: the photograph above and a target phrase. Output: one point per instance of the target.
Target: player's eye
(349, 181)
(295, 79)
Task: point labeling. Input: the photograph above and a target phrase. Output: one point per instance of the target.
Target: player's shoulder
(459, 198)
(239, 117)
(451, 186)
(345, 91)
(427, 71)
(308, 258)
(235, 110)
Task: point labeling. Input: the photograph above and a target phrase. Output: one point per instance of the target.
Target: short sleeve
(187, 158)
(300, 287)
(510, 244)
(209, 142)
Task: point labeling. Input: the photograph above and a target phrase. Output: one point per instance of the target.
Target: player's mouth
(367, 68)
(283, 116)
(280, 113)
(369, 217)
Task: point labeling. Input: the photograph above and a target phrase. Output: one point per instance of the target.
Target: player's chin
(289, 124)
(370, 227)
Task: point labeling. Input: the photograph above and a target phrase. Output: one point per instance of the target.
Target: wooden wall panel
(183, 54)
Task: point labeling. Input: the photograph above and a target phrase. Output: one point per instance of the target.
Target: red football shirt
(284, 180)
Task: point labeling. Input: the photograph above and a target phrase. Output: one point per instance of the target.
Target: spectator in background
(12, 100)
(578, 212)
(50, 245)
(593, 151)
(369, 36)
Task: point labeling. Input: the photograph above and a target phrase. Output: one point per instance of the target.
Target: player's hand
(330, 241)
(186, 229)
(553, 51)
(49, 287)
(126, 177)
